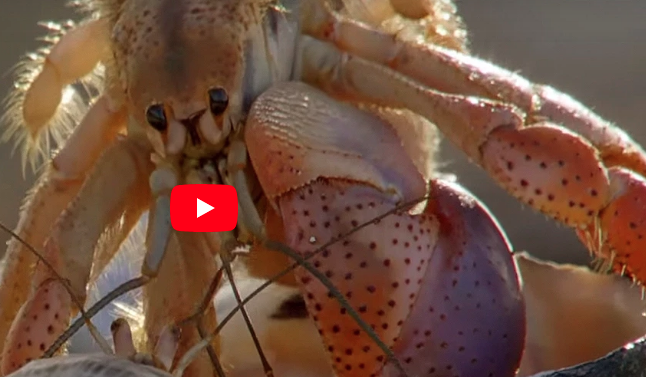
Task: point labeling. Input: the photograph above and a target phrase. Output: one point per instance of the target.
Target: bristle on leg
(43, 107)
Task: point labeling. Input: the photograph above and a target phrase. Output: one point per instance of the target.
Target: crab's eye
(156, 117)
(218, 100)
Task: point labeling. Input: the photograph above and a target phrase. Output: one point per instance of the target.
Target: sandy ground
(592, 49)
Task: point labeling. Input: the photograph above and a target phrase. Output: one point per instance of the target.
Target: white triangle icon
(203, 208)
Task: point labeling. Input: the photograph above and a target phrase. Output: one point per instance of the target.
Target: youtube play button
(203, 208)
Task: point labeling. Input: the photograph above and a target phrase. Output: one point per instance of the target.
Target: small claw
(40, 321)
(469, 316)
(619, 232)
(550, 169)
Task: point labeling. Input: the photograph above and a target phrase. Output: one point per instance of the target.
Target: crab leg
(75, 55)
(399, 273)
(544, 165)
(56, 188)
(184, 257)
(70, 250)
(170, 300)
(454, 72)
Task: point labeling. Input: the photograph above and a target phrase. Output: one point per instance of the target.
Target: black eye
(218, 100)
(156, 117)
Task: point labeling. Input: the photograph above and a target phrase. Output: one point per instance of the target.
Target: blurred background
(592, 49)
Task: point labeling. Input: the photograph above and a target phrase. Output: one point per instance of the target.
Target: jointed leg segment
(70, 249)
(542, 146)
(186, 264)
(74, 56)
(59, 184)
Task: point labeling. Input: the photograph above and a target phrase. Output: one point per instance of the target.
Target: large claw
(379, 269)
(421, 281)
(440, 288)
(469, 316)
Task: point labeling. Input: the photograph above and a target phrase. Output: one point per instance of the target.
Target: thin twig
(197, 318)
(265, 363)
(217, 366)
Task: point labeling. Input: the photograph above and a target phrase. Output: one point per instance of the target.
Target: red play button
(203, 208)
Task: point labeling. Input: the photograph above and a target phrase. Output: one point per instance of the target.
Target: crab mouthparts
(191, 124)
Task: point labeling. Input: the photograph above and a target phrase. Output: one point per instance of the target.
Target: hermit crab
(325, 116)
